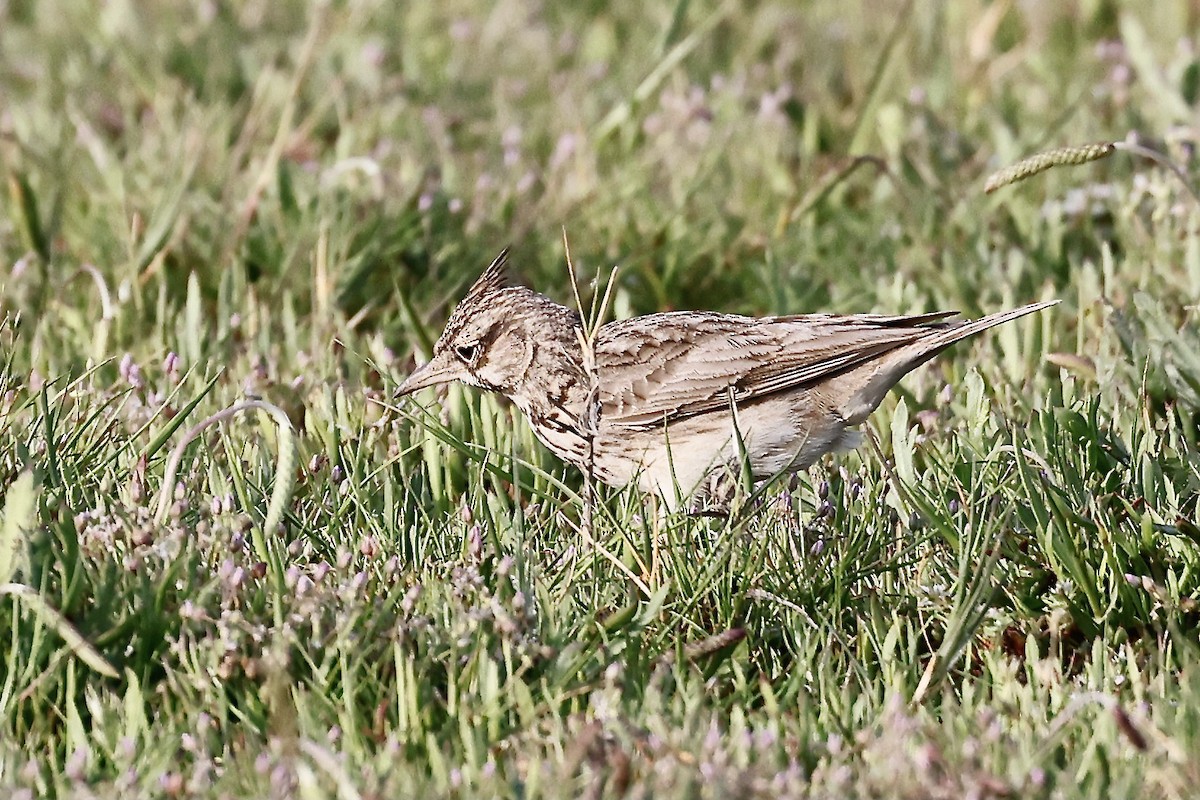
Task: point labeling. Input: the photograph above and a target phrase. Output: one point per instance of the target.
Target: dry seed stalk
(285, 469)
(1028, 167)
(1082, 154)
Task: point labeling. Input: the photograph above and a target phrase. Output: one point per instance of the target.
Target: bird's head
(495, 335)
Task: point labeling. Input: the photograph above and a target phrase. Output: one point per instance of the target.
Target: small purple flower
(475, 543)
(171, 366)
(410, 598)
(130, 372)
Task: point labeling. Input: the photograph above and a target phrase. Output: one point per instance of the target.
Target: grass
(281, 200)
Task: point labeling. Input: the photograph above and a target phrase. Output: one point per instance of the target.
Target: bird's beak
(431, 373)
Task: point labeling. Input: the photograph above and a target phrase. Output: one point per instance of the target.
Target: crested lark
(677, 391)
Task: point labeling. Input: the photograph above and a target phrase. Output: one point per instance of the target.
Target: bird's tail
(895, 365)
(964, 330)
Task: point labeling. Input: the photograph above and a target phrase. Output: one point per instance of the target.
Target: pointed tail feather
(863, 399)
(964, 330)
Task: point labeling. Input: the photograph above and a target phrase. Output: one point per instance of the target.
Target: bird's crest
(493, 278)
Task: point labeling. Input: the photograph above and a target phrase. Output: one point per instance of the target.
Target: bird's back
(672, 365)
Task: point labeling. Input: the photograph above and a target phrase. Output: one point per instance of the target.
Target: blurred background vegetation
(284, 198)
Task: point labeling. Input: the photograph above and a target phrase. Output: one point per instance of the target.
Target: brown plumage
(673, 386)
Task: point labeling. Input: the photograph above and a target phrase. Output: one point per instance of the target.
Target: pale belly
(776, 434)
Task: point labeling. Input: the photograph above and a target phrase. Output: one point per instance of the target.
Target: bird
(680, 402)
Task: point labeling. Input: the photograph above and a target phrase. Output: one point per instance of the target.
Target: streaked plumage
(671, 385)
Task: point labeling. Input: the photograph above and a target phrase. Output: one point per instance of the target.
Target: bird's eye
(467, 352)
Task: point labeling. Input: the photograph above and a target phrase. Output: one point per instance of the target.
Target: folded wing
(668, 366)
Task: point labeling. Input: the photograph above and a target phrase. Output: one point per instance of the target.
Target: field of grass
(346, 597)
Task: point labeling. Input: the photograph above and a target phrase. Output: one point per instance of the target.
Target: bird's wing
(667, 366)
